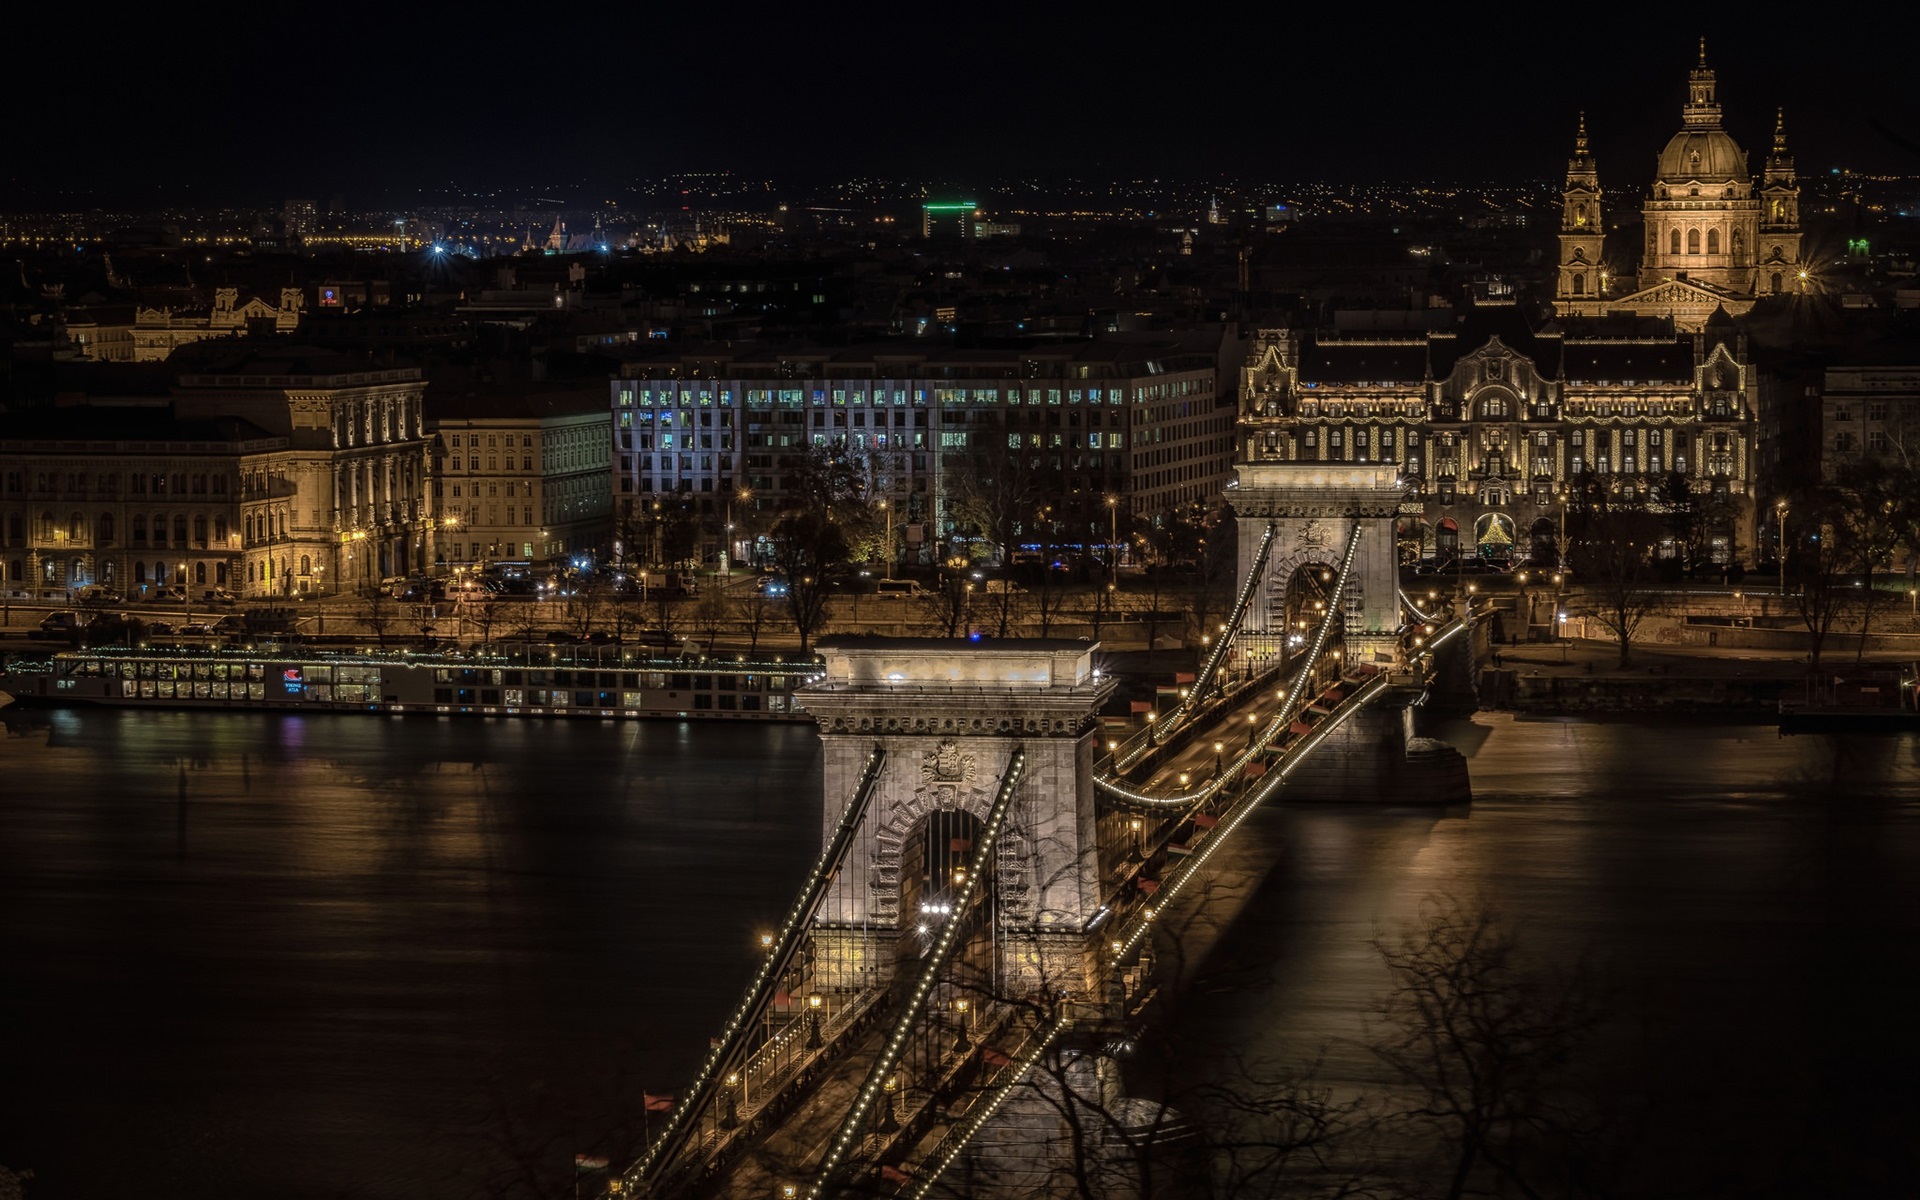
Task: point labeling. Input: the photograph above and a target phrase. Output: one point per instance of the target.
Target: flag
(1256, 769)
(994, 1057)
(782, 999)
(655, 1103)
(713, 1043)
(1205, 821)
(1183, 677)
(1176, 850)
(959, 843)
(1299, 727)
(1139, 706)
(894, 1174)
(1149, 886)
(583, 1163)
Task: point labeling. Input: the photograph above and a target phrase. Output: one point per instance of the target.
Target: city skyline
(283, 106)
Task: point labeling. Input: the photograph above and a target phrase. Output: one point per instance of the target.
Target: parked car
(60, 624)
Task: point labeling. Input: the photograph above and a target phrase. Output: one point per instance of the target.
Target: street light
(1780, 546)
(1113, 537)
(813, 1021)
(886, 519)
(888, 1122)
(961, 1044)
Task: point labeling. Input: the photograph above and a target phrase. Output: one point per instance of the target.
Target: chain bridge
(993, 864)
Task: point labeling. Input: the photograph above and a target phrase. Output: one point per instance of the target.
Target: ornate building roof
(1702, 156)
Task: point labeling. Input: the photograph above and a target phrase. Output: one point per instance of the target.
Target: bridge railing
(785, 1065)
(1132, 916)
(740, 1028)
(1203, 680)
(1290, 702)
(934, 965)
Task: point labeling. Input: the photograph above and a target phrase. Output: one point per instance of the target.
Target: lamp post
(888, 1122)
(1113, 538)
(886, 519)
(962, 1043)
(813, 1021)
(731, 1119)
(1780, 544)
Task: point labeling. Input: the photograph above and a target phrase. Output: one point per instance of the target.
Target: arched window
(306, 564)
(1739, 242)
(103, 530)
(1693, 241)
(1579, 285)
(1713, 241)
(16, 571)
(200, 530)
(179, 529)
(140, 572)
(220, 530)
(77, 526)
(16, 529)
(1776, 283)
(200, 572)
(1676, 241)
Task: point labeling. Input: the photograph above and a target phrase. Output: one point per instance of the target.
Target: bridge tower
(949, 716)
(1314, 507)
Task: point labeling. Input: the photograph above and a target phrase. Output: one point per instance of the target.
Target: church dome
(1708, 155)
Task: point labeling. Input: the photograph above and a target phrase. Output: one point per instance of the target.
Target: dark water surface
(248, 955)
(1747, 906)
(252, 955)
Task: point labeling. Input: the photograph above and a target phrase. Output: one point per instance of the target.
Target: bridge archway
(1308, 593)
(952, 716)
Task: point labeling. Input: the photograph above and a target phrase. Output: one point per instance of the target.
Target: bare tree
(711, 612)
(1612, 557)
(947, 605)
(752, 611)
(806, 546)
(584, 608)
(379, 614)
(485, 614)
(1487, 1044)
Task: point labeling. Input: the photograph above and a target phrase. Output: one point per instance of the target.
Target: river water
(398, 957)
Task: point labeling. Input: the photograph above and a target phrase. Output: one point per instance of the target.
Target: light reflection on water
(1752, 902)
(247, 954)
(317, 955)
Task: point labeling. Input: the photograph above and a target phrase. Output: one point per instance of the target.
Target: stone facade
(1314, 508)
(353, 483)
(950, 717)
(1491, 423)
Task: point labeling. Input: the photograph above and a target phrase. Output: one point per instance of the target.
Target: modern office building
(1140, 422)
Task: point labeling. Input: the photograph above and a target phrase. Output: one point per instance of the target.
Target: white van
(896, 587)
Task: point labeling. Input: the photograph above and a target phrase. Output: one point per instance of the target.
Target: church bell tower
(1582, 269)
(1780, 265)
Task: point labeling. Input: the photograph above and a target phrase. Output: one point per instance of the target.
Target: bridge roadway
(877, 1090)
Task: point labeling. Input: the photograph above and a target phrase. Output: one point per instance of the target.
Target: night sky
(374, 101)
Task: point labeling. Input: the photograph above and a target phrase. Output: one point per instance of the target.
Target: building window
(1693, 241)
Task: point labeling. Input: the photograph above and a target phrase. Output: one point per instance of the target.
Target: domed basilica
(1713, 239)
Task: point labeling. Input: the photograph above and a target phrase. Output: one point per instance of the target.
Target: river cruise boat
(539, 683)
